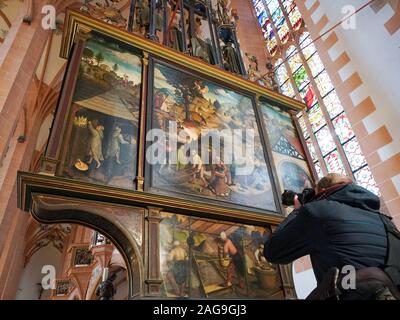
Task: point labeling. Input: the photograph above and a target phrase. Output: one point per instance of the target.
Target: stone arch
(57, 210)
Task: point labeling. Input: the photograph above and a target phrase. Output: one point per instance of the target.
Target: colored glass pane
(325, 140)
(343, 128)
(316, 118)
(284, 33)
(333, 104)
(259, 7)
(303, 127)
(273, 5)
(334, 164)
(307, 47)
(365, 179)
(310, 99)
(287, 89)
(315, 64)
(295, 62)
(354, 154)
(272, 46)
(312, 150)
(281, 72)
(277, 17)
(324, 83)
(262, 18)
(295, 18)
(301, 78)
(303, 37)
(290, 51)
(267, 30)
(308, 96)
(288, 5)
(280, 20)
(319, 170)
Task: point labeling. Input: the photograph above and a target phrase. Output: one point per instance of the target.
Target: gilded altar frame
(39, 192)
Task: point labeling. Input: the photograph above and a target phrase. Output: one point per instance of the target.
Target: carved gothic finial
(271, 75)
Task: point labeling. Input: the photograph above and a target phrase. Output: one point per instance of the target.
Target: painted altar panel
(190, 112)
(102, 142)
(203, 258)
(290, 159)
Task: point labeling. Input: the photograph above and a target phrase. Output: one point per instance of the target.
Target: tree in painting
(197, 106)
(102, 144)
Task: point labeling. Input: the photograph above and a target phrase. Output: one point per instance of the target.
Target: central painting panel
(213, 144)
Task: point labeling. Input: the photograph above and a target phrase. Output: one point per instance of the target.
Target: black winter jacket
(343, 229)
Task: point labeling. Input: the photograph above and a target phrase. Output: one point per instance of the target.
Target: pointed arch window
(301, 74)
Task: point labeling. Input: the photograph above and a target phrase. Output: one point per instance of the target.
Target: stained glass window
(290, 51)
(295, 62)
(315, 65)
(273, 5)
(319, 170)
(278, 18)
(305, 35)
(333, 104)
(295, 18)
(302, 66)
(284, 33)
(354, 154)
(303, 127)
(325, 140)
(272, 46)
(312, 150)
(287, 89)
(316, 118)
(334, 163)
(324, 83)
(259, 8)
(364, 178)
(301, 78)
(281, 73)
(308, 96)
(308, 47)
(343, 128)
(289, 5)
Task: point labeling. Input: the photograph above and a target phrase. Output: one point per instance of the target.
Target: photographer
(341, 226)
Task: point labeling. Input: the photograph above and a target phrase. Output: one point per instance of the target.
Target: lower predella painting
(287, 149)
(232, 169)
(206, 258)
(105, 111)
